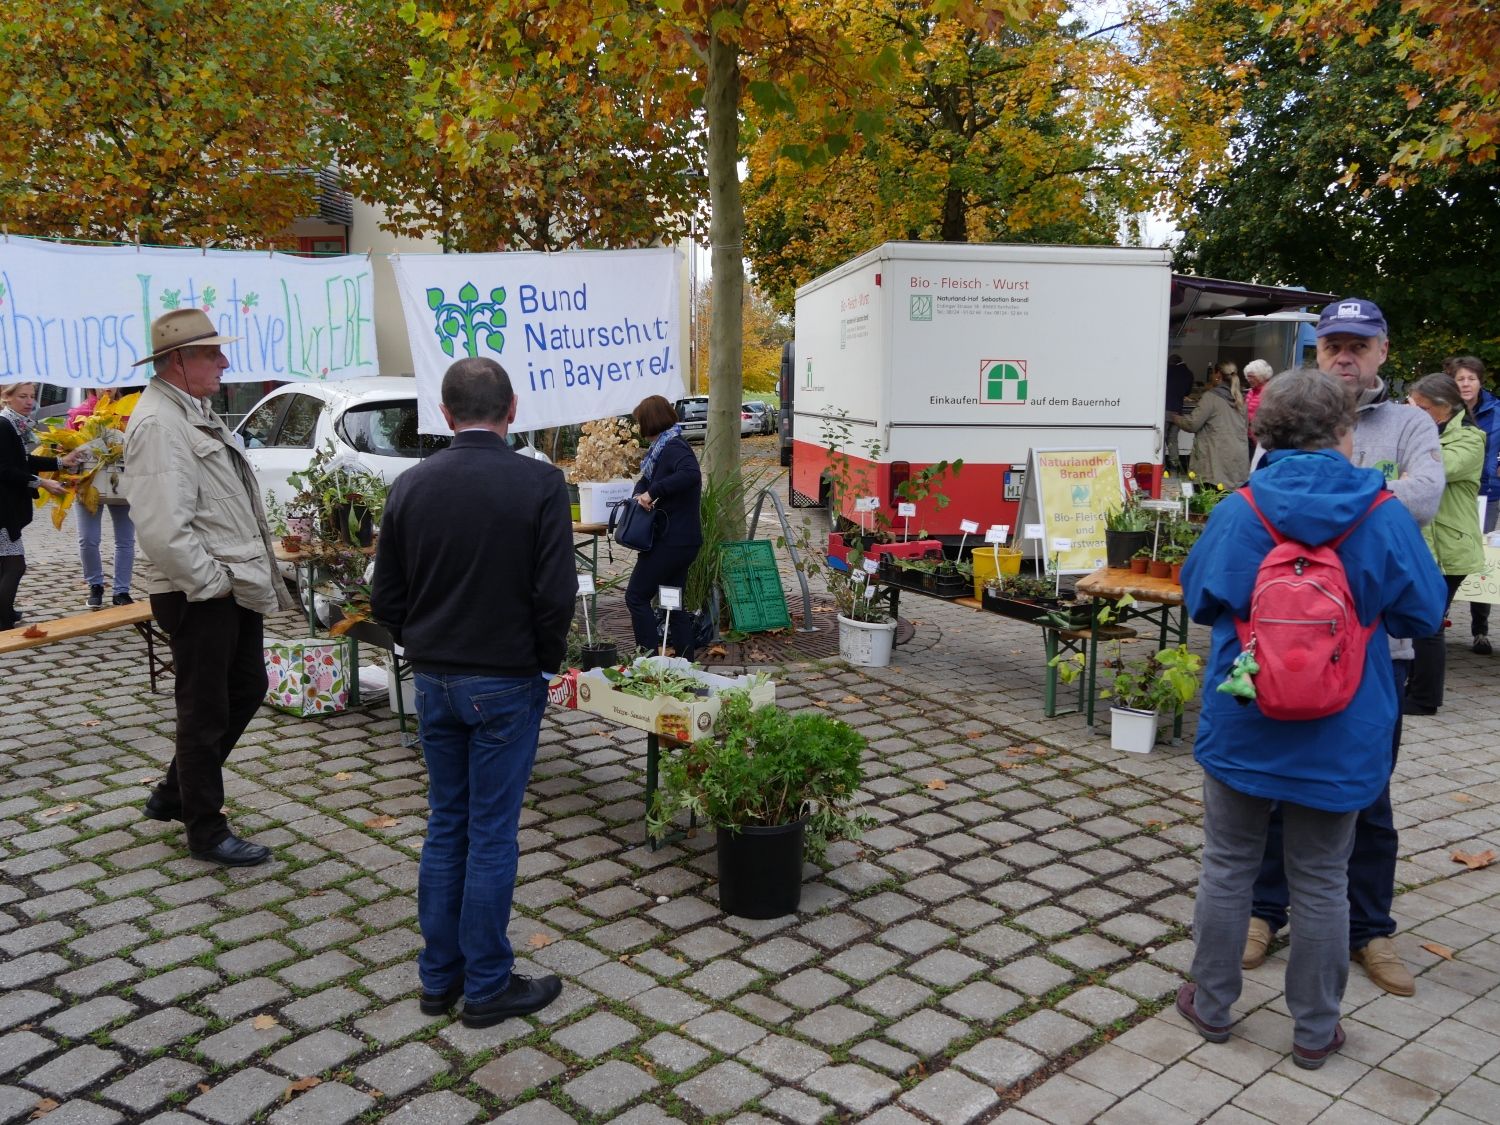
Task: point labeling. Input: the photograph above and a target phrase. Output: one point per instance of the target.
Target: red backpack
(1303, 630)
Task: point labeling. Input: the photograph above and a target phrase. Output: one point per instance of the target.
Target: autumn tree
(763, 329)
(167, 122)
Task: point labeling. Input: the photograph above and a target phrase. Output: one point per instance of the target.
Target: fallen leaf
(851, 699)
(1155, 824)
(33, 633)
(937, 783)
(44, 1107)
(715, 650)
(377, 1093)
(1441, 950)
(58, 810)
(976, 734)
(342, 775)
(1015, 751)
(1474, 862)
(298, 1086)
(1462, 797)
(264, 1023)
(90, 722)
(382, 822)
(204, 1088)
(540, 941)
(820, 703)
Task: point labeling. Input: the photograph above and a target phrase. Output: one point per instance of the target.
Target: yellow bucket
(983, 559)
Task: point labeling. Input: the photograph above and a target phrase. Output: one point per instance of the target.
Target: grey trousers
(1316, 851)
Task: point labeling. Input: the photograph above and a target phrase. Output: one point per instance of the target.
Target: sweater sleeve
(555, 574)
(1419, 485)
(389, 591)
(1200, 416)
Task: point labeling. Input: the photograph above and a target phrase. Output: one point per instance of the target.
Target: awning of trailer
(1211, 296)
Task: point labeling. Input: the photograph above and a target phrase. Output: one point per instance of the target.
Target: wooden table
(1157, 600)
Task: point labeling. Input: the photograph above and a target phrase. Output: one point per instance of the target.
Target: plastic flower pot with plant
(1131, 730)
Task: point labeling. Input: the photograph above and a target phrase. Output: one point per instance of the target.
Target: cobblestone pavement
(1003, 946)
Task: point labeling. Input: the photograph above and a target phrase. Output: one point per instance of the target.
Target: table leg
(353, 672)
(312, 597)
(1049, 694)
(1093, 669)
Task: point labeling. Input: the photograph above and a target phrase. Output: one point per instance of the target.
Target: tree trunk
(726, 233)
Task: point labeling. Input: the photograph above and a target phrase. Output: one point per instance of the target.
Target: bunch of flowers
(608, 450)
(101, 438)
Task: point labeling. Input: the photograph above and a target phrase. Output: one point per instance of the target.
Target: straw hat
(181, 328)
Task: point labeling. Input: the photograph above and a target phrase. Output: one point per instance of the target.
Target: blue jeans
(479, 736)
(89, 529)
(1372, 862)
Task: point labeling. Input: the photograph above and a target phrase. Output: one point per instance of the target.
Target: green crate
(753, 586)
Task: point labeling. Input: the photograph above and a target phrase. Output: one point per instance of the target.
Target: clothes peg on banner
(137, 242)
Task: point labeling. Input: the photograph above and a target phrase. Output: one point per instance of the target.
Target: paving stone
(892, 996)
(176, 983)
(237, 1043)
(784, 1058)
(779, 955)
(811, 988)
(254, 957)
(18, 971)
(535, 1113)
(326, 1007)
(1064, 1100)
(16, 1104)
(854, 1087)
(950, 1097)
(672, 1052)
(323, 1050)
(23, 1005)
(946, 968)
(173, 951)
(1089, 951)
(608, 1087)
(1033, 976)
(596, 1035)
(443, 1107)
(395, 1022)
(999, 1062)
(723, 1031)
(325, 968)
(513, 1074)
(1049, 1032)
(722, 1088)
(791, 1105)
(834, 1025)
(863, 962)
(407, 1067)
(153, 1084)
(76, 1070)
(79, 1112)
(240, 1097)
(19, 1048)
(158, 1029)
(331, 1103)
(246, 996)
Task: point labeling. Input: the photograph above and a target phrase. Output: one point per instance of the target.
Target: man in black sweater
(474, 576)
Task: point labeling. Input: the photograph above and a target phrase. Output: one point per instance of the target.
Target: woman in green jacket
(1453, 535)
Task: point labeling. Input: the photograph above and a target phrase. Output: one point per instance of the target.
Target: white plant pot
(866, 644)
(1131, 730)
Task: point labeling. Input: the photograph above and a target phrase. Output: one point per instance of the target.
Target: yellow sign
(1484, 586)
(1076, 491)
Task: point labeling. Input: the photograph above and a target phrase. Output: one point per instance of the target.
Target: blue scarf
(648, 466)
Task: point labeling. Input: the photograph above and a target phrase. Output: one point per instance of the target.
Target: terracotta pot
(1158, 569)
(291, 544)
(1177, 573)
(1138, 566)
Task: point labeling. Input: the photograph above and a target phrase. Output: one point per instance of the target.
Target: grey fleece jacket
(1402, 442)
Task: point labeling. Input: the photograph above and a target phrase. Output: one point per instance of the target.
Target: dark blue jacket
(676, 487)
(1487, 418)
(1342, 762)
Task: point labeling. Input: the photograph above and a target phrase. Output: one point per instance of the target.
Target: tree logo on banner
(469, 317)
(1004, 380)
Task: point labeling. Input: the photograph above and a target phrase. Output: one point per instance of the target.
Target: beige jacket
(196, 506)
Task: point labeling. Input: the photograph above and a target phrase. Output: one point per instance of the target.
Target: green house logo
(1002, 381)
(468, 320)
(921, 308)
(809, 383)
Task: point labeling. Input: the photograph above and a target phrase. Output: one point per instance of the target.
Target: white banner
(81, 315)
(584, 334)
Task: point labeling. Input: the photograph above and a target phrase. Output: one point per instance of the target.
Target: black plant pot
(1121, 546)
(760, 870)
(366, 526)
(600, 656)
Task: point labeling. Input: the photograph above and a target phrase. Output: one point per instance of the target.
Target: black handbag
(630, 525)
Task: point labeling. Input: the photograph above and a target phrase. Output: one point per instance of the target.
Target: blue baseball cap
(1352, 316)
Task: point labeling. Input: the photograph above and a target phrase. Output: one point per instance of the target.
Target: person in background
(18, 485)
(475, 577)
(1221, 453)
(1322, 771)
(1484, 409)
(1179, 386)
(1402, 442)
(1257, 375)
(1453, 535)
(672, 484)
(91, 527)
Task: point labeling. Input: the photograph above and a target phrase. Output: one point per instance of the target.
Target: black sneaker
(96, 597)
(1482, 644)
(123, 599)
(521, 997)
(440, 1003)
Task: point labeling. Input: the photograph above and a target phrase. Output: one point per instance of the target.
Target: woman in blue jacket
(671, 484)
(1320, 771)
(1484, 409)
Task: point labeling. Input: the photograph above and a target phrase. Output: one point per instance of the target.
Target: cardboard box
(672, 718)
(562, 690)
(595, 497)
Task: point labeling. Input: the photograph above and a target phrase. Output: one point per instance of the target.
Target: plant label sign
(871, 565)
(1033, 531)
(1061, 545)
(906, 510)
(867, 504)
(1187, 491)
(585, 584)
(670, 597)
(997, 534)
(969, 527)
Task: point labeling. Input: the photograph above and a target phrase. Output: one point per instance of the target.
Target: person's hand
(71, 460)
(52, 486)
(645, 501)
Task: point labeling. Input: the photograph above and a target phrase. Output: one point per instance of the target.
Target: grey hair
(1302, 408)
(1258, 369)
(1440, 389)
(477, 390)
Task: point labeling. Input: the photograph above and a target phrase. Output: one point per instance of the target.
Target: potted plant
(1034, 600)
(867, 630)
(1140, 562)
(1126, 530)
(777, 787)
(1143, 688)
(609, 455)
(343, 500)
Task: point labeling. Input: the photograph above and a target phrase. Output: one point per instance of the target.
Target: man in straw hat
(200, 524)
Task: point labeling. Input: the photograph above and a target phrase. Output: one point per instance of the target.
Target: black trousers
(1429, 669)
(217, 651)
(660, 566)
(12, 567)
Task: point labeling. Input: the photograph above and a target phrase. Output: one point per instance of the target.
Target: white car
(371, 420)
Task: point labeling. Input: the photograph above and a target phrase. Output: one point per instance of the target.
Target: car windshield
(692, 409)
(387, 429)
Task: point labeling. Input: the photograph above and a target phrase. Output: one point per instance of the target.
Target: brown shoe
(1257, 940)
(1383, 965)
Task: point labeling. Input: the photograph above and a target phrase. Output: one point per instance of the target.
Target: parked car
(765, 418)
(372, 420)
(692, 415)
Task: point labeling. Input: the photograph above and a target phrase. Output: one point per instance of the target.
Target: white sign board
(585, 583)
(81, 315)
(670, 597)
(584, 334)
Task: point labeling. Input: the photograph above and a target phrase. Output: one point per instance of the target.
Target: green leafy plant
(1162, 681)
(848, 478)
(1206, 498)
(1129, 516)
(851, 591)
(722, 510)
(339, 498)
(764, 767)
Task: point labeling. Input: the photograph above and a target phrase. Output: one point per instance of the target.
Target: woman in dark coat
(18, 486)
(671, 485)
